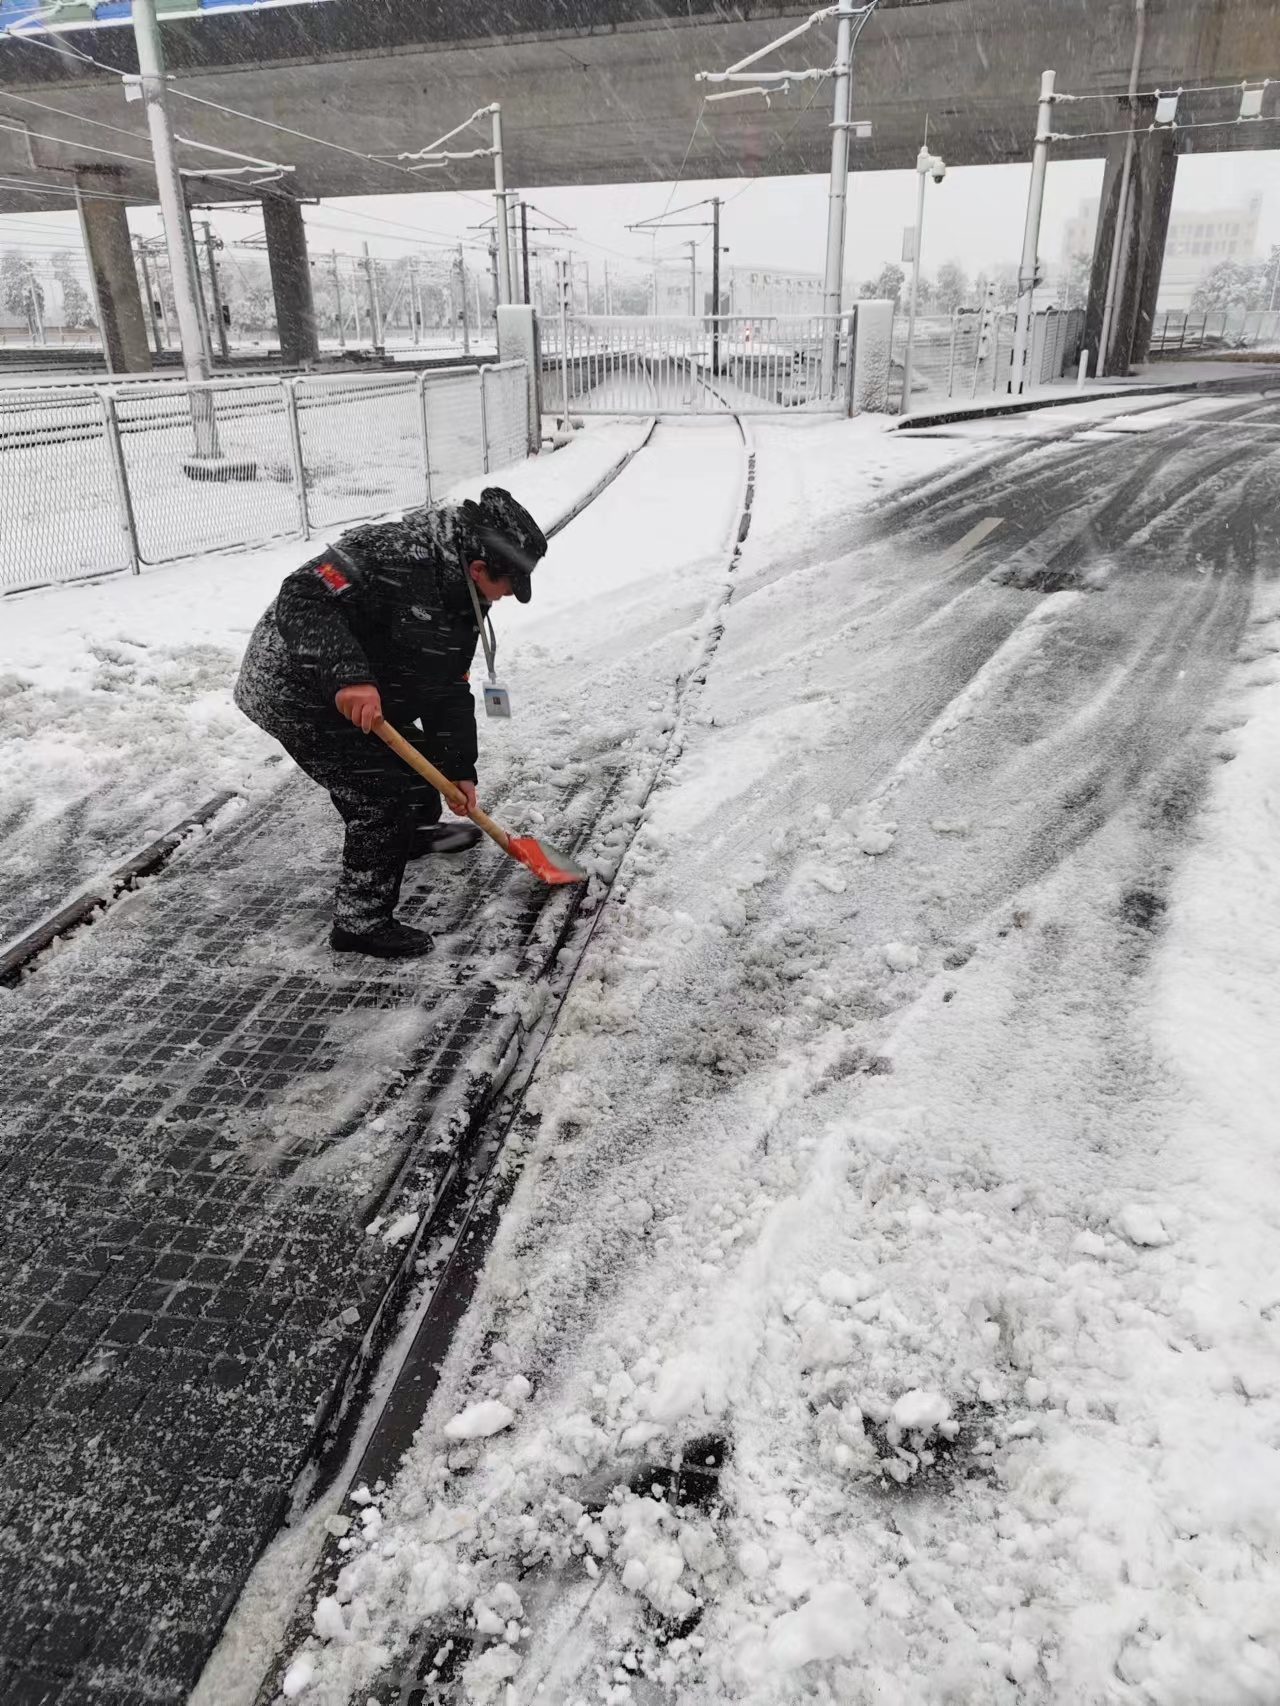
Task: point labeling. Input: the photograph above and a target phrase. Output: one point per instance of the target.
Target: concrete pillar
(291, 280)
(117, 298)
(1160, 170)
(1155, 166)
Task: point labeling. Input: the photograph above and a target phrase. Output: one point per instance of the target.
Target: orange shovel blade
(545, 862)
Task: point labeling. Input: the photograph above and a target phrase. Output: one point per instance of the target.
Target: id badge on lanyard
(497, 701)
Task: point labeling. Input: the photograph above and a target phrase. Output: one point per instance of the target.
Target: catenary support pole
(337, 293)
(504, 293)
(693, 278)
(153, 300)
(219, 319)
(146, 32)
(1031, 235)
(564, 287)
(837, 199)
(206, 333)
(466, 308)
(715, 286)
(375, 306)
(524, 246)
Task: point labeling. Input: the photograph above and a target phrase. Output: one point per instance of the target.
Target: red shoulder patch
(333, 578)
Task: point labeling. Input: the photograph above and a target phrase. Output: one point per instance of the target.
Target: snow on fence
(1229, 329)
(969, 354)
(631, 364)
(95, 479)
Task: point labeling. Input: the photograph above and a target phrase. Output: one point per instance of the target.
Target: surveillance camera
(939, 171)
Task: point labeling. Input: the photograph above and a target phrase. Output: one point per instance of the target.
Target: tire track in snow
(672, 1107)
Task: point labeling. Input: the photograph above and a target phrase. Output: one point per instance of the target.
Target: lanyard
(487, 637)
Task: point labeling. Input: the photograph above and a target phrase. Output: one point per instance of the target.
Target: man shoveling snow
(385, 624)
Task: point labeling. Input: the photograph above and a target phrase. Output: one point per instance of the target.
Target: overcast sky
(975, 217)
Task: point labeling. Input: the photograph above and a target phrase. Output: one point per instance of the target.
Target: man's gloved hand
(361, 705)
(469, 789)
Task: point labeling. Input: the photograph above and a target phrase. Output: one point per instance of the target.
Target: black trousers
(381, 801)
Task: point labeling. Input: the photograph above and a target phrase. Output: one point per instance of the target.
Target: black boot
(393, 941)
(442, 838)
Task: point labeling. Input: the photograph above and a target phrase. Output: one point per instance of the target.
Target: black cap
(508, 538)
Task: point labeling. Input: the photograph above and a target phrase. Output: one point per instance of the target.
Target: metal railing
(1225, 329)
(767, 364)
(968, 355)
(96, 479)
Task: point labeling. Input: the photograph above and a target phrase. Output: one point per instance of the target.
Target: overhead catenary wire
(234, 112)
(1172, 129)
(1061, 97)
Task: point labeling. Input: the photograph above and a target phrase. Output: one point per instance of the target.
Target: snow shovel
(545, 862)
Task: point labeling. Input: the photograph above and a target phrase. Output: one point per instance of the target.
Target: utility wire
(689, 150)
(248, 118)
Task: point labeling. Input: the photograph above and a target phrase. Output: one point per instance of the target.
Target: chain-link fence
(98, 479)
(62, 489)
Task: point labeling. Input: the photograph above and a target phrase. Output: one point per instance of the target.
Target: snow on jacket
(388, 605)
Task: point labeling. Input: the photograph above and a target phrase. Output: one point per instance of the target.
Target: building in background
(1199, 240)
(757, 291)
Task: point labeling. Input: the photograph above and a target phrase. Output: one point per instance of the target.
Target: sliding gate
(628, 365)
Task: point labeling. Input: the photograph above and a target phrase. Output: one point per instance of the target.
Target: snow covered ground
(909, 1131)
(908, 1137)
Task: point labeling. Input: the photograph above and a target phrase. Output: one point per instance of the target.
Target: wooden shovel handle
(451, 791)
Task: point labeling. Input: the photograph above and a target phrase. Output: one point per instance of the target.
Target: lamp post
(927, 166)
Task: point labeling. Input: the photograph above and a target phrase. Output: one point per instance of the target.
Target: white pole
(1031, 235)
(169, 187)
(500, 197)
(564, 286)
(173, 207)
(466, 307)
(837, 197)
(921, 168)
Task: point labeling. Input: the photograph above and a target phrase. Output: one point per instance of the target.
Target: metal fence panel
(506, 413)
(767, 364)
(361, 441)
(1226, 329)
(60, 510)
(96, 479)
(455, 427)
(245, 497)
(959, 355)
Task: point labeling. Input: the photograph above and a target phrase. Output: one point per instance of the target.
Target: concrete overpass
(601, 91)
